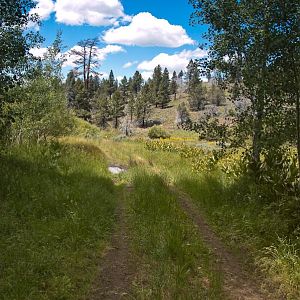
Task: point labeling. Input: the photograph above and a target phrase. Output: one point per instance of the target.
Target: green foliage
(174, 85)
(39, 110)
(85, 129)
(216, 95)
(157, 132)
(157, 77)
(197, 92)
(116, 107)
(57, 209)
(136, 83)
(282, 263)
(258, 60)
(164, 91)
(101, 110)
(142, 105)
(15, 41)
(183, 115)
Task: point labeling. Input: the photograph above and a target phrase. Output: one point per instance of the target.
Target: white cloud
(101, 54)
(174, 62)
(43, 8)
(147, 74)
(147, 30)
(130, 64)
(95, 12)
(38, 52)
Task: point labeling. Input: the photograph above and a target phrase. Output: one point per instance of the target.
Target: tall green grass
(56, 211)
(255, 223)
(174, 263)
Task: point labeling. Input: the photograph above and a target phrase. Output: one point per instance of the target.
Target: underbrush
(56, 212)
(253, 215)
(174, 263)
(85, 129)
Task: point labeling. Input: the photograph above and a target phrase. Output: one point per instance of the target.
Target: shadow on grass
(54, 220)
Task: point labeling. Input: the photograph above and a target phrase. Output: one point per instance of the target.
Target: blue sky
(133, 34)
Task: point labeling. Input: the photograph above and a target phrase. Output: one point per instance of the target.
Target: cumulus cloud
(130, 64)
(174, 62)
(101, 54)
(38, 52)
(147, 74)
(43, 8)
(79, 12)
(147, 30)
(95, 12)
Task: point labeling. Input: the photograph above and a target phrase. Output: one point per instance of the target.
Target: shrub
(157, 132)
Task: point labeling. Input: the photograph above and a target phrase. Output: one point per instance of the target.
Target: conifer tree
(101, 110)
(157, 77)
(196, 91)
(70, 89)
(183, 115)
(117, 107)
(174, 85)
(111, 84)
(124, 89)
(164, 92)
(143, 105)
(137, 81)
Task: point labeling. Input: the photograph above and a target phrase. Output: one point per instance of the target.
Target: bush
(84, 129)
(157, 132)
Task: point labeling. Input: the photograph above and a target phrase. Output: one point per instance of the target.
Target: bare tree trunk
(89, 67)
(84, 65)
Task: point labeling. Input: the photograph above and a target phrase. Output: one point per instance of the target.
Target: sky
(133, 34)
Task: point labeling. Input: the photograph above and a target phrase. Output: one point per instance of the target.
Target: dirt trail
(238, 284)
(117, 268)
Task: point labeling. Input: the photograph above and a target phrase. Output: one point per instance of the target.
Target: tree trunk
(89, 67)
(84, 65)
(256, 142)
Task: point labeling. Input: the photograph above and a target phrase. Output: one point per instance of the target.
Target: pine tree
(131, 105)
(174, 85)
(196, 91)
(70, 89)
(101, 110)
(164, 92)
(117, 107)
(157, 77)
(111, 84)
(183, 115)
(124, 89)
(86, 59)
(189, 71)
(137, 81)
(143, 105)
(216, 95)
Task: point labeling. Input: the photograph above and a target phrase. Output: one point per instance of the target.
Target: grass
(240, 211)
(173, 261)
(56, 213)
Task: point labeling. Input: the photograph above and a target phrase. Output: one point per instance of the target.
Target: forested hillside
(182, 184)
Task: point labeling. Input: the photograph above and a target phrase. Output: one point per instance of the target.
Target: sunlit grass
(174, 263)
